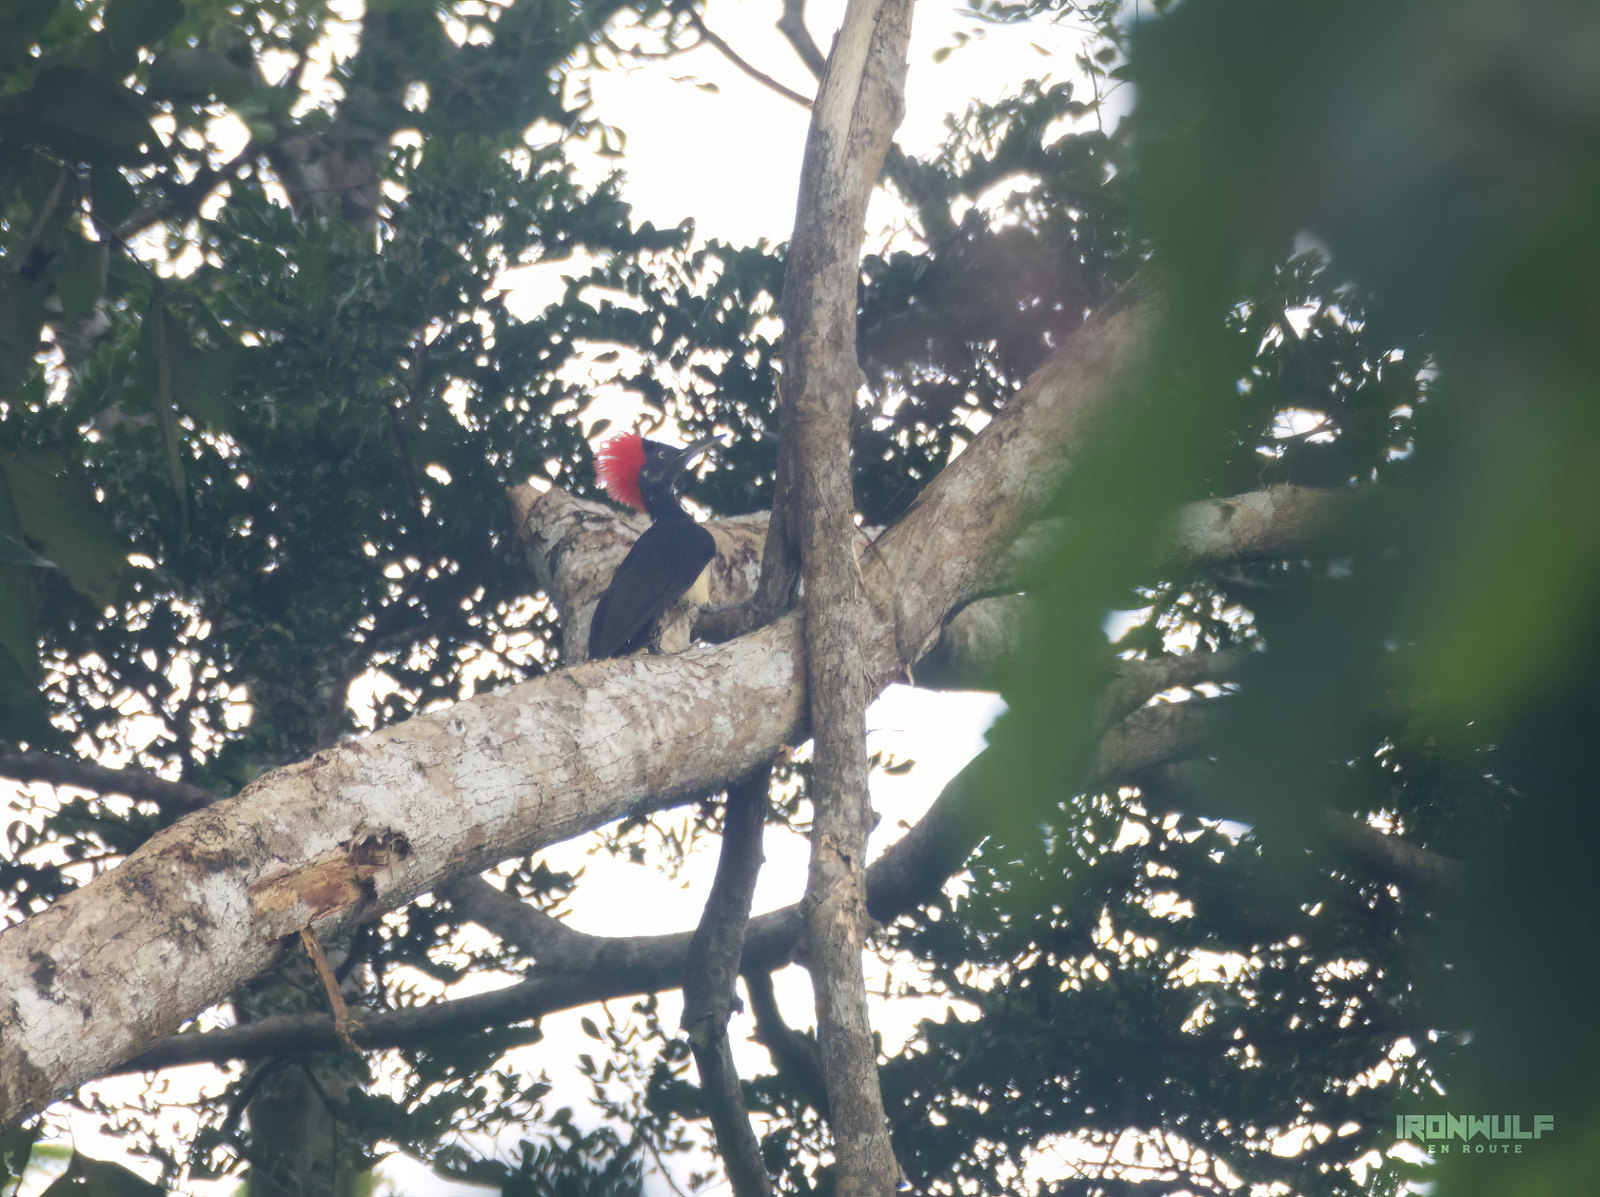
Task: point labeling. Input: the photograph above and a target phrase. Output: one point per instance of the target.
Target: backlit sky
(705, 141)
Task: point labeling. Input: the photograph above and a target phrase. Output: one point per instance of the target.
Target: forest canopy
(1268, 331)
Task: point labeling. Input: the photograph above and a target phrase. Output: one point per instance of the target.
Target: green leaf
(200, 376)
(191, 74)
(155, 366)
(80, 278)
(86, 1177)
(16, 1147)
(19, 622)
(56, 509)
(21, 318)
(112, 195)
(81, 117)
(14, 552)
(134, 23)
(20, 23)
(23, 714)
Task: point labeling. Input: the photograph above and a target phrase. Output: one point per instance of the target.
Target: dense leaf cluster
(258, 406)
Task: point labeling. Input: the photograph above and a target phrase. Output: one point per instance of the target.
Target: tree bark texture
(858, 107)
(368, 825)
(860, 102)
(577, 543)
(1158, 750)
(710, 969)
(365, 827)
(575, 968)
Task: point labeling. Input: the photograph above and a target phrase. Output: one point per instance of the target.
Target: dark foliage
(256, 418)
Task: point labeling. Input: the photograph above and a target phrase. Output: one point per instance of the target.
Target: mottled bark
(364, 827)
(859, 105)
(574, 968)
(1263, 525)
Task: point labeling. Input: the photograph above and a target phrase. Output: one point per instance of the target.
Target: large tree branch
(1273, 524)
(574, 968)
(368, 825)
(1390, 856)
(1263, 525)
(908, 874)
(1278, 523)
(365, 827)
(1134, 683)
(135, 783)
(1186, 785)
(575, 545)
(710, 968)
(859, 105)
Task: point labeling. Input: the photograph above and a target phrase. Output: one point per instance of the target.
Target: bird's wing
(660, 567)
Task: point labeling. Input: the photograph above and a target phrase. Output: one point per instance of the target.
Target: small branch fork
(574, 968)
(793, 26)
(714, 40)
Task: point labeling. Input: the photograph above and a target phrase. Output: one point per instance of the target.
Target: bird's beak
(682, 457)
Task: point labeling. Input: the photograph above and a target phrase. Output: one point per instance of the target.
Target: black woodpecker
(667, 561)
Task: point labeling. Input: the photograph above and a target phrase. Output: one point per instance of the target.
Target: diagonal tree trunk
(366, 826)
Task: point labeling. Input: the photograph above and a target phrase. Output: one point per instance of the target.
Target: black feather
(660, 568)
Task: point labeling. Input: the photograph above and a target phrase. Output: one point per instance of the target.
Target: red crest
(617, 466)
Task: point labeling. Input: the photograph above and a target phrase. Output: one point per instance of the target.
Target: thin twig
(187, 198)
(20, 258)
(732, 56)
(710, 967)
(666, 1173)
(341, 1012)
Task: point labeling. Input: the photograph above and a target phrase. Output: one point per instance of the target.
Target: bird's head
(630, 467)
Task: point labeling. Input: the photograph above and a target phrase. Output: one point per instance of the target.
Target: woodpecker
(668, 561)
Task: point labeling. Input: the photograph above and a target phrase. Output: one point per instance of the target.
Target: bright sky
(730, 159)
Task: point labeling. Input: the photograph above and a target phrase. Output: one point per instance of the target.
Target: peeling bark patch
(336, 883)
(319, 888)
